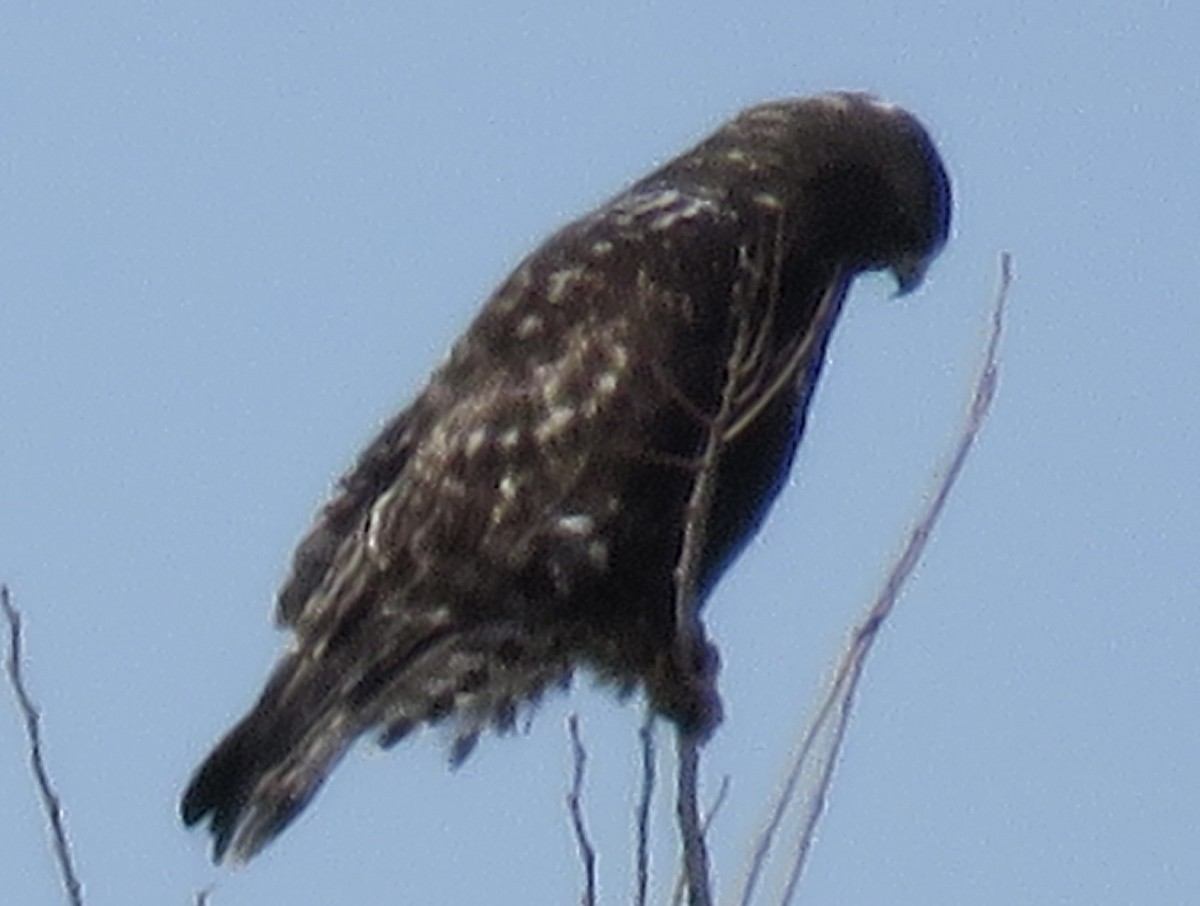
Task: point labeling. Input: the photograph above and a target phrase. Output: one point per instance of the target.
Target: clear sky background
(235, 237)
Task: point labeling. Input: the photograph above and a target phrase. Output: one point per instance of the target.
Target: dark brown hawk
(595, 450)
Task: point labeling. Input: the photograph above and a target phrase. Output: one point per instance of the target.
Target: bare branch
(718, 801)
(646, 737)
(756, 397)
(705, 825)
(821, 744)
(749, 388)
(691, 829)
(51, 804)
(587, 852)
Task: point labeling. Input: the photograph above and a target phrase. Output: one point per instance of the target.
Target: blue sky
(235, 237)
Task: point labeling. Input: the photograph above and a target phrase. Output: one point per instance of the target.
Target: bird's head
(890, 189)
(860, 179)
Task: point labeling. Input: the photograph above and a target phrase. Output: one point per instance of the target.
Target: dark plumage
(596, 449)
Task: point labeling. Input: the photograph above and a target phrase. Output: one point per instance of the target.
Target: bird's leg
(683, 685)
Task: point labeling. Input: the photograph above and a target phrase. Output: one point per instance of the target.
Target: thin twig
(691, 828)
(705, 825)
(739, 405)
(690, 634)
(587, 852)
(51, 804)
(718, 801)
(689, 630)
(823, 738)
(812, 343)
(646, 737)
(827, 755)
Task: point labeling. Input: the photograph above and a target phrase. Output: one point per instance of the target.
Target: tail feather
(268, 767)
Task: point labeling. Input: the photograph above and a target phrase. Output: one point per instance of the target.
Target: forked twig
(819, 748)
(691, 828)
(810, 344)
(743, 398)
(689, 640)
(705, 825)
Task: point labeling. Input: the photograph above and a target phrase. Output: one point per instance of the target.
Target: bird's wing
(596, 361)
(377, 467)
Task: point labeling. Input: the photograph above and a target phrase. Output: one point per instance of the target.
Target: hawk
(594, 451)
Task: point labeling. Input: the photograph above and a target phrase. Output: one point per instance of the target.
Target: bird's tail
(316, 703)
(268, 767)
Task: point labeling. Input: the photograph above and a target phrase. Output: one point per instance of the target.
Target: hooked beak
(909, 272)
